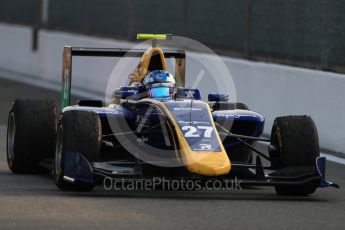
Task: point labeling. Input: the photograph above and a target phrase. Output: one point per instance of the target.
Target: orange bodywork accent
(142, 69)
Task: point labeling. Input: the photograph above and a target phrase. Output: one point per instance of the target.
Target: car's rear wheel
(79, 131)
(296, 140)
(30, 135)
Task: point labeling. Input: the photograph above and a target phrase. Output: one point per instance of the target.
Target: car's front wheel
(296, 140)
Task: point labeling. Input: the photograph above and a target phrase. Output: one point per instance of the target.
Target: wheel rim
(58, 152)
(11, 132)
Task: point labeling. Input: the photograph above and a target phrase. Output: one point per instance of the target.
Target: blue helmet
(160, 84)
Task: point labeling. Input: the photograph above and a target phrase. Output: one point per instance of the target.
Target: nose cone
(209, 163)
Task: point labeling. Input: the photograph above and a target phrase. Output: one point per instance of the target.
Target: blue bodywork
(236, 116)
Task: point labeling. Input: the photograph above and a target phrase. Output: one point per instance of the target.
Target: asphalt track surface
(33, 201)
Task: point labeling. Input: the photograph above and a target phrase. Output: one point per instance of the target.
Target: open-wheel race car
(157, 127)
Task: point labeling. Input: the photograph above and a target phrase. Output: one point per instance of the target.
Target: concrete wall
(272, 90)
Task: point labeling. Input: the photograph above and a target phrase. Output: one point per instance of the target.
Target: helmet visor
(160, 92)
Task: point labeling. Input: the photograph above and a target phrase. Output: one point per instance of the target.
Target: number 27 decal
(192, 131)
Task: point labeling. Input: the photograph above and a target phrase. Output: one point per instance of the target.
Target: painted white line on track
(329, 157)
(334, 159)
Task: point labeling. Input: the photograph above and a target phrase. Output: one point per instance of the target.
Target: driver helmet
(160, 84)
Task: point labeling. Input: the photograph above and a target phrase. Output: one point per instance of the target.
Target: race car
(155, 126)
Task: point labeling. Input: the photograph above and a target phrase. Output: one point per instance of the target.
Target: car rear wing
(70, 52)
